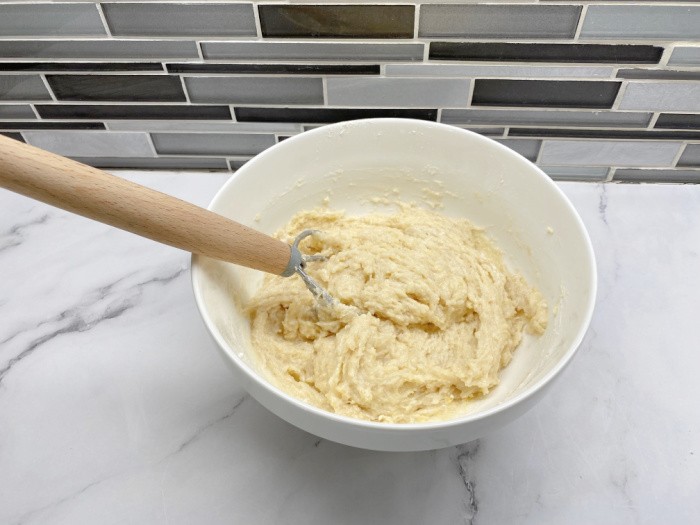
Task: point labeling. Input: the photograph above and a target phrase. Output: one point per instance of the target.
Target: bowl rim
(545, 380)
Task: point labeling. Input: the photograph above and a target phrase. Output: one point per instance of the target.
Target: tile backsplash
(590, 90)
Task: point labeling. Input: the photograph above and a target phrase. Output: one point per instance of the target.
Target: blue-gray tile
(91, 143)
(515, 71)
(156, 163)
(256, 90)
(576, 173)
(662, 96)
(642, 22)
(600, 119)
(498, 21)
(526, 147)
(313, 51)
(401, 92)
(211, 143)
(127, 88)
(685, 56)
(50, 20)
(690, 156)
(608, 153)
(656, 176)
(13, 111)
(23, 87)
(107, 49)
(161, 19)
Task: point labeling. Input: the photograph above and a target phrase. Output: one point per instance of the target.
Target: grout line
(153, 146)
(101, 13)
(184, 89)
(609, 176)
(324, 84)
(652, 121)
(470, 94)
(256, 17)
(506, 130)
(666, 55)
(416, 20)
(579, 26)
(620, 95)
(539, 152)
(438, 117)
(233, 113)
(681, 150)
(46, 83)
(198, 46)
(35, 111)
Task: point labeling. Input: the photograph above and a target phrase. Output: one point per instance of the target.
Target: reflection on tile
(455, 70)
(574, 173)
(133, 112)
(91, 143)
(160, 19)
(387, 92)
(678, 121)
(127, 88)
(8, 111)
(608, 153)
(271, 69)
(50, 20)
(498, 21)
(40, 124)
(527, 148)
(599, 119)
(685, 56)
(690, 156)
(256, 90)
(661, 74)
(23, 87)
(51, 67)
(211, 143)
(313, 51)
(11, 135)
(642, 21)
(545, 93)
(668, 176)
(662, 96)
(327, 115)
(108, 49)
(578, 53)
(605, 133)
(157, 163)
(337, 21)
(193, 125)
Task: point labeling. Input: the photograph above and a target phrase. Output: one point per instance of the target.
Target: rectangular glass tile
(685, 56)
(51, 67)
(194, 125)
(662, 96)
(545, 93)
(127, 88)
(8, 111)
(256, 90)
(275, 69)
(157, 163)
(660, 74)
(313, 51)
(237, 164)
(642, 22)
(678, 121)
(527, 148)
(608, 153)
(161, 19)
(668, 176)
(498, 21)
(690, 156)
(387, 92)
(50, 20)
(605, 133)
(11, 135)
(40, 124)
(211, 143)
(576, 173)
(107, 49)
(23, 87)
(327, 115)
(599, 119)
(465, 71)
(91, 143)
(337, 21)
(132, 112)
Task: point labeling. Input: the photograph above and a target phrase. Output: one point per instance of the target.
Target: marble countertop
(116, 408)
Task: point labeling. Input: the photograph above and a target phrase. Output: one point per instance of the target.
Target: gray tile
(658, 74)
(641, 22)
(211, 143)
(50, 20)
(685, 56)
(237, 163)
(600, 119)
(449, 70)
(498, 21)
(397, 92)
(488, 132)
(23, 87)
(91, 143)
(313, 51)
(109, 49)
(158, 163)
(690, 156)
(527, 148)
(156, 19)
(13, 111)
(195, 125)
(256, 90)
(572, 173)
(668, 176)
(662, 96)
(608, 153)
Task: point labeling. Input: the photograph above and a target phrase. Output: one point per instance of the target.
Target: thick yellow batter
(433, 316)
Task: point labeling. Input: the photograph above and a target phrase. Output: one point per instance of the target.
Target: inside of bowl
(362, 168)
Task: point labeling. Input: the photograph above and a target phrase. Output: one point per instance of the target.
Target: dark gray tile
(545, 93)
(625, 153)
(101, 49)
(403, 92)
(527, 148)
(237, 163)
(498, 21)
(23, 87)
(275, 69)
(662, 96)
(337, 21)
(690, 156)
(597, 119)
(661, 74)
(162, 19)
(256, 90)
(317, 51)
(127, 88)
(605, 134)
(132, 112)
(13, 136)
(50, 20)
(642, 22)
(9, 111)
(487, 132)
(40, 124)
(667, 176)
(55, 67)
(211, 143)
(685, 56)
(157, 163)
(327, 115)
(678, 121)
(578, 53)
(576, 173)
(91, 143)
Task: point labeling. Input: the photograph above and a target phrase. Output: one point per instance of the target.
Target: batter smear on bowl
(427, 315)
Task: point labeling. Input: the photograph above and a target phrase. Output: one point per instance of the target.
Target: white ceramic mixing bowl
(463, 173)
